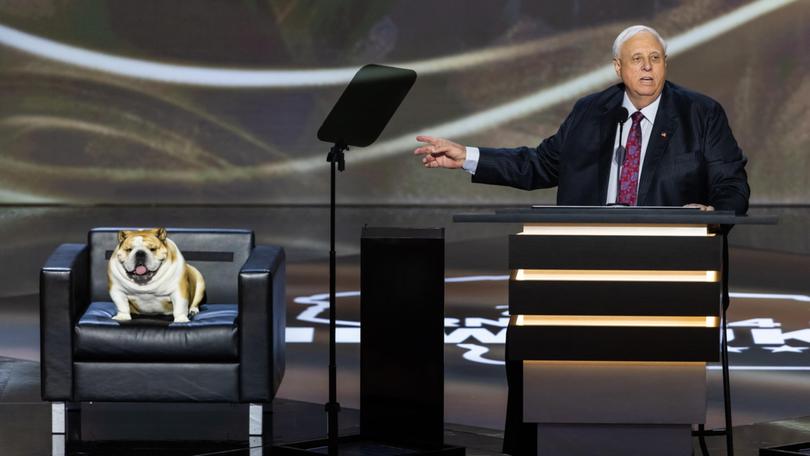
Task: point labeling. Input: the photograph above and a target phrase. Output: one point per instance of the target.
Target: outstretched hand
(440, 153)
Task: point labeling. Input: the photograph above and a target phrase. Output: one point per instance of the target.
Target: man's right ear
(617, 67)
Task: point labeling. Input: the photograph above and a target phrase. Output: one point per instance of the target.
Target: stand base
(786, 450)
(356, 445)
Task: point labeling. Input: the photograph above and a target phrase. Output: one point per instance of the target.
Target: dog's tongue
(140, 270)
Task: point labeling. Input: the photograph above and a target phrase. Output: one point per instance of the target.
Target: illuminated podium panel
(614, 325)
(614, 314)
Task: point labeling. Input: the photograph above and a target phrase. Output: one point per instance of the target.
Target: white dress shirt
(649, 112)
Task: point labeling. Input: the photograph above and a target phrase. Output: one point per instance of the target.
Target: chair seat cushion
(211, 336)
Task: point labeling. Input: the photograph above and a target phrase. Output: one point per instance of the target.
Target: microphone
(620, 115)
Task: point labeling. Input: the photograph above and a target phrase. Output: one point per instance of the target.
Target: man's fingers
(438, 152)
(431, 150)
(699, 206)
(434, 141)
(431, 161)
(426, 150)
(427, 139)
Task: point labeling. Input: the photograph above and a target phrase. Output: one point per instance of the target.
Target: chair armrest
(63, 293)
(262, 321)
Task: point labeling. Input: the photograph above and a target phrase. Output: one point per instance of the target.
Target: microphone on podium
(620, 115)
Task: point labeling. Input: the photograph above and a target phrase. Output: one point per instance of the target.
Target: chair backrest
(217, 253)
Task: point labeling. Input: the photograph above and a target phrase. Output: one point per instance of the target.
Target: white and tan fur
(147, 274)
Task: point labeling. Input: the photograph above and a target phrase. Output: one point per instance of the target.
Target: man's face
(642, 65)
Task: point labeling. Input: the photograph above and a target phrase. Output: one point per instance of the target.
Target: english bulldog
(148, 275)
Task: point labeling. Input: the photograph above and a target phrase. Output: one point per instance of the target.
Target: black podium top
(613, 215)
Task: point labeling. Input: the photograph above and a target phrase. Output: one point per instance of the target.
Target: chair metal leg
(57, 444)
(256, 448)
(58, 428)
(255, 416)
(58, 418)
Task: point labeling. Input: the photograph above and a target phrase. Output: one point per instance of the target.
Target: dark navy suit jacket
(692, 156)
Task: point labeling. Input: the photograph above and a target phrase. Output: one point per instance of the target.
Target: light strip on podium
(616, 275)
(595, 229)
(601, 320)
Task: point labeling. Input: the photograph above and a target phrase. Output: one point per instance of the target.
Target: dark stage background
(213, 101)
(204, 112)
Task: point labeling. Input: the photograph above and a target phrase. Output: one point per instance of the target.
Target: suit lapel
(666, 123)
(607, 137)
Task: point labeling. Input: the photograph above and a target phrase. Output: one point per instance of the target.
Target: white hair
(630, 32)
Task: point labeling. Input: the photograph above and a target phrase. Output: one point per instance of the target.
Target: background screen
(208, 101)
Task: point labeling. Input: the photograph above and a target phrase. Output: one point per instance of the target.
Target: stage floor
(769, 314)
(208, 429)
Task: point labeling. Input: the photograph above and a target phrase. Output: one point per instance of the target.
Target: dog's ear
(122, 235)
(161, 234)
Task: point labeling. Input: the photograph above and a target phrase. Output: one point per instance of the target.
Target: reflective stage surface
(769, 321)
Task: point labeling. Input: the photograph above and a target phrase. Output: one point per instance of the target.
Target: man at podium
(677, 147)
(671, 147)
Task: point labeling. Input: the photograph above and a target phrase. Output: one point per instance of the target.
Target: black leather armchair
(232, 351)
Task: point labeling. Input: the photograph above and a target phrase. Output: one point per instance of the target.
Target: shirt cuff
(471, 162)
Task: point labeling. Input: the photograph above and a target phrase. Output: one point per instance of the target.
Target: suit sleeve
(524, 167)
(725, 164)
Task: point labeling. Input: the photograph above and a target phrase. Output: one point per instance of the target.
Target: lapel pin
(664, 134)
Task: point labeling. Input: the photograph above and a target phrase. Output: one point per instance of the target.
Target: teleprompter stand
(357, 119)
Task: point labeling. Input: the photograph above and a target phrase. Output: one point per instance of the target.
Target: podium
(614, 313)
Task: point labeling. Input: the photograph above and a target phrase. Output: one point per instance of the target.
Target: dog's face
(142, 253)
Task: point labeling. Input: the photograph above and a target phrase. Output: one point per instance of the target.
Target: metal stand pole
(701, 433)
(724, 352)
(332, 407)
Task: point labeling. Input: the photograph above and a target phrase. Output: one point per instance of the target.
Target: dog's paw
(181, 319)
(122, 317)
(194, 311)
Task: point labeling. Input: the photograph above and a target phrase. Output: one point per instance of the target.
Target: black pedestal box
(402, 339)
(402, 348)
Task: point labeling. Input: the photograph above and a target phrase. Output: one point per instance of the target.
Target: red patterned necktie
(628, 182)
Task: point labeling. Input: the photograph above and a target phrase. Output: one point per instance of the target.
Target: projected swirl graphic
(113, 103)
